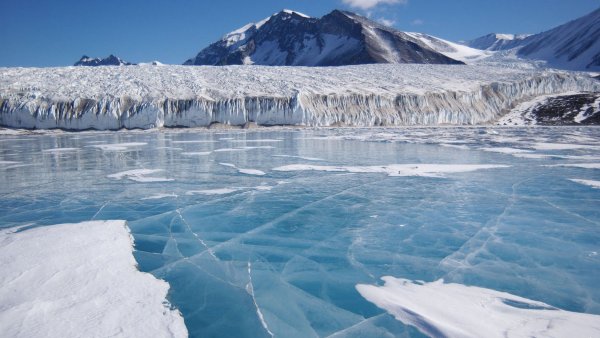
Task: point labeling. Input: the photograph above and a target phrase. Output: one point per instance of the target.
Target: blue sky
(57, 32)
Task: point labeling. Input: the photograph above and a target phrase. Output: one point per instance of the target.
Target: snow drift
(110, 98)
(80, 280)
(455, 310)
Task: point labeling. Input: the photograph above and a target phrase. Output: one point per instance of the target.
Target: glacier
(288, 232)
(112, 98)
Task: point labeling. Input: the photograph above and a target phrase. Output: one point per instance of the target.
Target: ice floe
(455, 310)
(80, 280)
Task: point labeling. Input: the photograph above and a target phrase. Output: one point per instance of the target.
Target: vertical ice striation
(172, 96)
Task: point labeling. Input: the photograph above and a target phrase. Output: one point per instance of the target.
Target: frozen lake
(268, 233)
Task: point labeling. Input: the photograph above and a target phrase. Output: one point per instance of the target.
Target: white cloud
(366, 4)
(417, 22)
(386, 22)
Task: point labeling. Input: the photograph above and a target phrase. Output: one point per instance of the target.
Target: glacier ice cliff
(110, 98)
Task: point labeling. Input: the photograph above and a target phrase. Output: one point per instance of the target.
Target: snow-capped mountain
(496, 41)
(111, 60)
(338, 38)
(450, 49)
(574, 45)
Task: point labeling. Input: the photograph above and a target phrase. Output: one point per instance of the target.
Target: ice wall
(352, 96)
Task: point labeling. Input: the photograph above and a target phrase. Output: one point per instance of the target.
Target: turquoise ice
(268, 233)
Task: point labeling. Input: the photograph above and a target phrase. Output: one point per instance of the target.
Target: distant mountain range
(111, 60)
(291, 38)
(497, 41)
(574, 45)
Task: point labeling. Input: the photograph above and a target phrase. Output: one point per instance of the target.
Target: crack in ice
(449, 261)
(250, 290)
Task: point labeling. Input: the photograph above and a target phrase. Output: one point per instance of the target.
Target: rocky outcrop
(111, 60)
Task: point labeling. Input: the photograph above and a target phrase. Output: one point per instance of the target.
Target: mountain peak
(111, 60)
(295, 39)
(289, 11)
(574, 45)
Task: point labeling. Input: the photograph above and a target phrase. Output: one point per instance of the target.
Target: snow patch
(160, 196)
(426, 170)
(289, 11)
(80, 280)
(140, 175)
(454, 310)
(193, 141)
(577, 165)
(523, 113)
(60, 150)
(222, 150)
(197, 153)
(8, 162)
(505, 150)
(255, 172)
(118, 146)
(300, 157)
(591, 183)
(221, 191)
(450, 49)
(266, 140)
(562, 146)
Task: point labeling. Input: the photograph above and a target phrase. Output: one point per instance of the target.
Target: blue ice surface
(280, 254)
